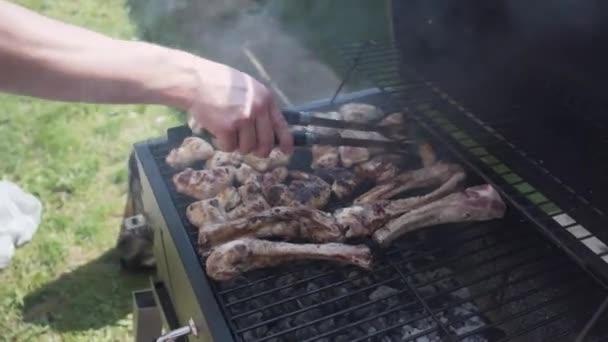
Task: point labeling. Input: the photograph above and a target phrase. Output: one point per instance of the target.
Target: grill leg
(147, 323)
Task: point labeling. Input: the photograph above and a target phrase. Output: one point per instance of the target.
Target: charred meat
(204, 184)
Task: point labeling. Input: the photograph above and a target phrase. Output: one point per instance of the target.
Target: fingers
(281, 128)
(247, 138)
(265, 134)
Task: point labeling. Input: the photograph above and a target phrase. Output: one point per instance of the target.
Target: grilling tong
(305, 138)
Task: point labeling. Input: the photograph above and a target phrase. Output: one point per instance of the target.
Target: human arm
(46, 58)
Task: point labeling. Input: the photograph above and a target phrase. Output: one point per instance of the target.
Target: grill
(539, 274)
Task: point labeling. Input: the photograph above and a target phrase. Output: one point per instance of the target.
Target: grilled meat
(477, 203)
(191, 150)
(275, 159)
(343, 181)
(434, 175)
(396, 123)
(207, 211)
(350, 155)
(236, 257)
(204, 184)
(245, 173)
(380, 168)
(305, 190)
(229, 198)
(221, 158)
(363, 219)
(253, 201)
(427, 154)
(276, 176)
(306, 224)
(325, 156)
(360, 112)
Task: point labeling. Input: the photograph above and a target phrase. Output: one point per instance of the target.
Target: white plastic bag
(20, 215)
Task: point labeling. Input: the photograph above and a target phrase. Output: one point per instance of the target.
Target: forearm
(46, 58)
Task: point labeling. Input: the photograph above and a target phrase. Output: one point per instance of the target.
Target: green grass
(65, 285)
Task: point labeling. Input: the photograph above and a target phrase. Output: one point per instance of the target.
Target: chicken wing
(203, 184)
(191, 150)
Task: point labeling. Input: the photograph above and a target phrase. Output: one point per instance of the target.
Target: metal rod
(598, 313)
(348, 75)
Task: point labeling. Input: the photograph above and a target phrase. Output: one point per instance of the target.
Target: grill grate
(491, 281)
(570, 220)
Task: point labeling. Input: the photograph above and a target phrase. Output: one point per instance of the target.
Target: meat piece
(253, 201)
(204, 212)
(477, 203)
(304, 190)
(350, 155)
(275, 159)
(364, 219)
(427, 154)
(250, 208)
(246, 173)
(234, 258)
(221, 159)
(380, 168)
(434, 175)
(191, 150)
(396, 126)
(276, 176)
(360, 112)
(343, 181)
(325, 156)
(203, 184)
(229, 198)
(315, 226)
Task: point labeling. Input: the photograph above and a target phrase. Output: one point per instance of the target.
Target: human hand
(239, 111)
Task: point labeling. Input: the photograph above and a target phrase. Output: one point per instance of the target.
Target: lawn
(66, 285)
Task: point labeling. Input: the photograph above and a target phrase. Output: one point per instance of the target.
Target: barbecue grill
(539, 274)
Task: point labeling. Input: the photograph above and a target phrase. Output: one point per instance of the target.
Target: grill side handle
(167, 311)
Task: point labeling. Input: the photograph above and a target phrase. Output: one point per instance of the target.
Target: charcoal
(380, 323)
(285, 323)
(324, 339)
(306, 333)
(462, 293)
(252, 319)
(342, 338)
(261, 331)
(326, 325)
(385, 291)
(248, 336)
(307, 316)
(361, 313)
(387, 339)
(285, 280)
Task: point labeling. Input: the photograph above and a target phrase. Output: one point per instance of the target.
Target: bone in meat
(343, 181)
(317, 226)
(434, 175)
(360, 112)
(427, 154)
(246, 173)
(395, 124)
(477, 203)
(364, 219)
(221, 159)
(350, 155)
(204, 212)
(191, 150)
(276, 158)
(304, 190)
(236, 257)
(380, 168)
(325, 156)
(203, 184)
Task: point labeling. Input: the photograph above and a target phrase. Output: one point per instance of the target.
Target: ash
(322, 302)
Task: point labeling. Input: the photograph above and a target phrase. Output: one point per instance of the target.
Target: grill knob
(180, 332)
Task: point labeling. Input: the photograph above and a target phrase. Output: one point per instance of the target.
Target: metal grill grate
(493, 281)
(570, 220)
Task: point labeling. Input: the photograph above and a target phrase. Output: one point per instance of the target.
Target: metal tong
(309, 138)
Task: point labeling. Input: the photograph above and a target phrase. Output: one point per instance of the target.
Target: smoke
(281, 43)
